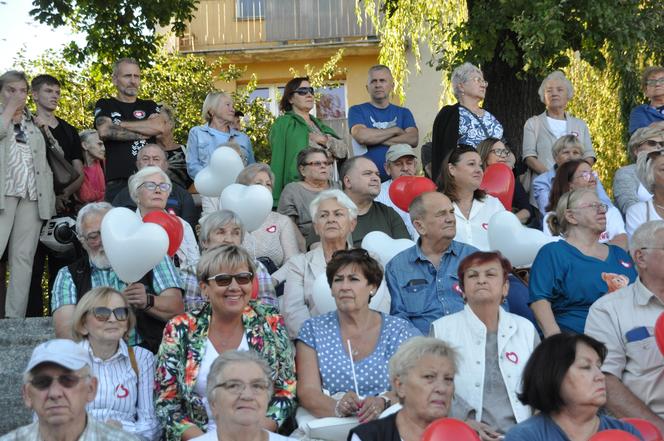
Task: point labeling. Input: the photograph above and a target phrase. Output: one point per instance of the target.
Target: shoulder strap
(132, 359)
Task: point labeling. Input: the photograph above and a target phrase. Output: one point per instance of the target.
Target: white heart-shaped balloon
(252, 203)
(225, 164)
(383, 247)
(516, 242)
(132, 246)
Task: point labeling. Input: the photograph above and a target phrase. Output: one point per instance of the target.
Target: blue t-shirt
(374, 118)
(572, 281)
(542, 428)
(322, 334)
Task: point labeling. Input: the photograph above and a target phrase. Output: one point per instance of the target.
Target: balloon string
(352, 367)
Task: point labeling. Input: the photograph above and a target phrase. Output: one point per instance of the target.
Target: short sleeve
(601, 326)
(101, 109)
(306, 334)
(355, 117)
(543, 275)
(408, 119)
(64, 290)
(165, 276)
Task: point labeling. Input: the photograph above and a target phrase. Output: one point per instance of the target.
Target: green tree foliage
(115, 28)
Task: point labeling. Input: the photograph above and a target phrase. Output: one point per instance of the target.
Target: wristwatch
(150, 302)
(387, 400)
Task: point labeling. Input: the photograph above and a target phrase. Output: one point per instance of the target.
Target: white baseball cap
(62, 352)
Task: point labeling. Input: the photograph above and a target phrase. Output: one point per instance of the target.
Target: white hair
(138, 178)
(556, 75)
(645, 170)
(461, 74)
(217, 219)
(88, 210)
(644, 236)
(341, 198)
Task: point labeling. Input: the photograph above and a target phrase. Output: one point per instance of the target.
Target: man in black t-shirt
(124, 124)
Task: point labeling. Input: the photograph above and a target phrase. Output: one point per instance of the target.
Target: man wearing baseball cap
(400, 160)
(57, 386)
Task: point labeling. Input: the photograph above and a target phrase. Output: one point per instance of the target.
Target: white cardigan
(466, 333)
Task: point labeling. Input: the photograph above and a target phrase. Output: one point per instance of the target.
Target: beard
(99, 259)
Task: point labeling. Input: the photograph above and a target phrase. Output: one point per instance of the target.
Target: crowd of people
(230, 338)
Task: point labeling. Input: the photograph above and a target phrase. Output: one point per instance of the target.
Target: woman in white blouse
(102, 319)
(460, 180)
(650, 170)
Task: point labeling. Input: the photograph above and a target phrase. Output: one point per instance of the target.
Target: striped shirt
(21, 180)
(121, 395)
(94, 431)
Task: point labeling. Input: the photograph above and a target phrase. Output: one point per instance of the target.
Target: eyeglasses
(43, 382)
(236, 387)
(652, 143)
(587, 175)
(651, 248)
(654, 154)
(319, 163)
(655, 81)
(501, 153)
(597, 206)
(480, 81)
(303, 91)
(103, 313)
(354, 252)
(226, 279)
(93, 236)
(20, 135)
(152, 186)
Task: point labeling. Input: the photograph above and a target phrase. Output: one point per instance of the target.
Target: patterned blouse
(472, 131)
(179, 358)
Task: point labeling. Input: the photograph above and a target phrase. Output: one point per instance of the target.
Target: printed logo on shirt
(457, 288)
(271, 229)
(626, 264)
(512, 356)
(604, 236)
(139, 114)
(574, 134)
(485, 226)
(121, 391)
(115, 115)
(383, 124)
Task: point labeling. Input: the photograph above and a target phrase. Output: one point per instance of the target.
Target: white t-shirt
(639, 213)
(212, 436)
(614, 225)
(475, 230)
(558, 126)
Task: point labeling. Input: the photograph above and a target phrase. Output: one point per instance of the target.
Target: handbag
(63, 172)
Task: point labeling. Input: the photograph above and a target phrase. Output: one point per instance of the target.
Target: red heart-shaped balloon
(406, 188)
(446, 429)
(498, 181)
(613, 435)
(659, 332)
(171, 224)
(648, 430)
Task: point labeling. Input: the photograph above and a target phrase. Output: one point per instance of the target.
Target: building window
(249, 9)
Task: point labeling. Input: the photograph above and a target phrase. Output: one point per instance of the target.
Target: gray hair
(116, 65)
(340, 197)
(564, 142)
(644, 235)
(461, 74)
(648, 72)
(153, 146)
(640, 136)
(416, 209)
(559, 76)
(557, 221)
(223, 256)
(376, 68)
(248, 173)
(88, 210)
(413, 350)
(217, 219)
(138, 178)
(645, 170)
(86, 134)
(215, 376)
(210, 102)
(12, 76)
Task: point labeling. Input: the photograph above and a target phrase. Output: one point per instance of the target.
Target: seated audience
(93, 187)
(493, 151)
(576, 174)
(541, 132)
(314, 167)
(231, 321)
(422, 280)
(422, 376)
(175, 153)
(627, 190)
(567, 276)
(492, 344)
(400, 160)
(277, 239)
(57, 384)
(102, 320)
(239, 388)
(326, 345)
(334, 216)
(651, 114)
(564, 384)
(224, 227)
(149, 188)
(361, 183)
(155, 299)
(650, 171)
(460, 180)
(623, 322)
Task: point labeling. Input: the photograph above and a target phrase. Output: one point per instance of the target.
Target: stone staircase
(17, 339)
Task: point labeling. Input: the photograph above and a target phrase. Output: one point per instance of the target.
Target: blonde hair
(95, 297)
(210, 102)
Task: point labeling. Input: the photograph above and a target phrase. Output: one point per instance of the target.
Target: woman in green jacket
(296, 130)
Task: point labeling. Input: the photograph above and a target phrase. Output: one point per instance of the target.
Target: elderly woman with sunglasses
(295, 130)
(149, 188)
(102, 319)
(627, 190)
(576, 174)
(567, 276)
(465, 122)
(328, 345)
(650, 171)
(231, 321)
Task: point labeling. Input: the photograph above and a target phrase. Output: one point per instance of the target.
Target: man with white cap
(57, 386)
(400, 160)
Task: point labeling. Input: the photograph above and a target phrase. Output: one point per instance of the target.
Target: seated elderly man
(57, 386)
(156, 298)
(361, 183)
(624, 321)
(400, 160)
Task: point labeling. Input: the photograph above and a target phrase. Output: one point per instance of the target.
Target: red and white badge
(512, 356)
(139, 114)
(626, 264)
(121, 391)
(271, 229)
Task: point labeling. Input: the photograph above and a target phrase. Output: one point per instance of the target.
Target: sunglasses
(20, 135)
(152, 186)
(103, 313)
(319, 163)
(654, 154)
(302, 91)
(652, 143)
(43, 382)
(226, 279)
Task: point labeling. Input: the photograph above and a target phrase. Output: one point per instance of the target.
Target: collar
(642, 295)
(208, 129)
(453, 249)
(121, 352)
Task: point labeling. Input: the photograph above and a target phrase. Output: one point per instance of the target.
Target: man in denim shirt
(423, 280)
